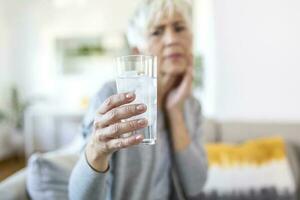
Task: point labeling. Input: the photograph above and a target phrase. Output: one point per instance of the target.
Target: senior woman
(115, 167)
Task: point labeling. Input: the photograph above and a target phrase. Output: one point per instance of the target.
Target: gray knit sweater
(144, 172)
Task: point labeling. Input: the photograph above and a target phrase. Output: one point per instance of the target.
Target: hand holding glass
(138, 73)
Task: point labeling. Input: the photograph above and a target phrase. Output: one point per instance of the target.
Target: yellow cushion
(256, 151)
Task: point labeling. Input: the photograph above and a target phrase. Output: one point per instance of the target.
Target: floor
(11, 165)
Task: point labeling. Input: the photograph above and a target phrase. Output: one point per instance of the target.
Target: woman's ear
(135, 51)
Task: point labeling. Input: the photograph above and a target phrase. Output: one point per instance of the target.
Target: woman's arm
(185, 134)
(190, 156)
(180, 137)
(85, 182)
(89, 179)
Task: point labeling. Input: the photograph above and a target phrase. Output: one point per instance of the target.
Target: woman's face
(170, 39)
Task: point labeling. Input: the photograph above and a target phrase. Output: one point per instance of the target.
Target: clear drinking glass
(138, 73)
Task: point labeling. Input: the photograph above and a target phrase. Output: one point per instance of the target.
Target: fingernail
(142, 122)
(141, 107)
(129, 95)
(138, 137)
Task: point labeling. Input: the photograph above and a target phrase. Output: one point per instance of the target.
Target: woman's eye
(179, 28)
(156, 32)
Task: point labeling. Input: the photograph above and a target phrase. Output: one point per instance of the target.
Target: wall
(5, 71)
(204, 36)
(258, 66)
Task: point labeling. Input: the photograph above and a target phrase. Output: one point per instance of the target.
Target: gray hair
(150, 11)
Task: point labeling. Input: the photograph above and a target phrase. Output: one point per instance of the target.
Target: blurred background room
(56, 54)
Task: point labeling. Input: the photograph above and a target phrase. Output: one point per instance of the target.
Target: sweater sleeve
(191, 162)
(85, 182)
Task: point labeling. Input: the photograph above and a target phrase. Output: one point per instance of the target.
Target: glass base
(149, 134)
(149, 141)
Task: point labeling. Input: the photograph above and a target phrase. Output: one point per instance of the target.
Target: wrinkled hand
(108, 128)
(177, 95)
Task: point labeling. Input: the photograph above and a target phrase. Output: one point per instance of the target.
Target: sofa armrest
(14, 187)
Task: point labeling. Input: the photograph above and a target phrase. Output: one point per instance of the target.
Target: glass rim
(120, 58)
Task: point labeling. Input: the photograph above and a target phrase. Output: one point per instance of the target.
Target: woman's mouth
(173, 56)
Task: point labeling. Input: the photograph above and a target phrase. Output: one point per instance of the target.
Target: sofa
(214, 132)
(14, 187)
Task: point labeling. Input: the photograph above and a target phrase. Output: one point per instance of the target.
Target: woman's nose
(170, 37)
